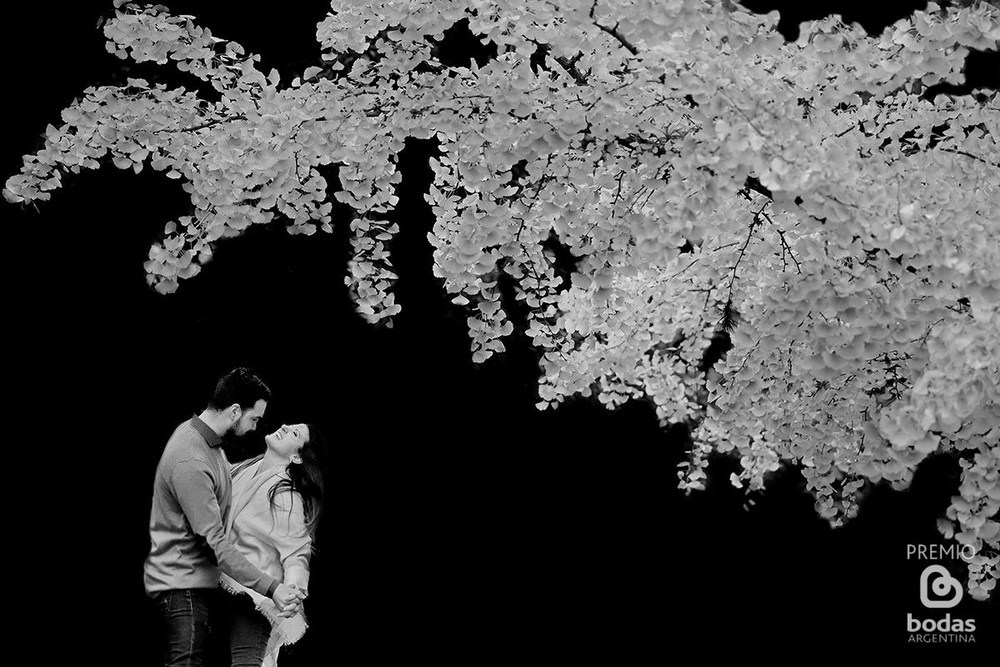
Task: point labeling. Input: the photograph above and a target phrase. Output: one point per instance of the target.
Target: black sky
(464, 523)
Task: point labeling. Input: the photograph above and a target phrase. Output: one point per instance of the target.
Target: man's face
(248, 419)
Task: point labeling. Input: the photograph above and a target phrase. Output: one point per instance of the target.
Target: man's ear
(234, 411)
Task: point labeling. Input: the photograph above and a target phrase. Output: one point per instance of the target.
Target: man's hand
(288, 600)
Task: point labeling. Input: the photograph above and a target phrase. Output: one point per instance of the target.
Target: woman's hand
(300, 590)
(288, 599)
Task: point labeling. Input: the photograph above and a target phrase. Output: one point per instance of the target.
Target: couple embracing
(230, 546)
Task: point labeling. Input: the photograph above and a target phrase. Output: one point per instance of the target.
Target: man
(192, 494)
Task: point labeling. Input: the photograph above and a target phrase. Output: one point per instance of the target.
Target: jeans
(185, 615)
(248, 631)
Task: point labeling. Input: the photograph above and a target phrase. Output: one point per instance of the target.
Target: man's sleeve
(195, 490)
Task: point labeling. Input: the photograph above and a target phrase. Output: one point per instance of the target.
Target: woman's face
(288, 440)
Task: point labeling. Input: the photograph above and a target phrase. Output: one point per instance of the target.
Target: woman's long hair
(307, 478)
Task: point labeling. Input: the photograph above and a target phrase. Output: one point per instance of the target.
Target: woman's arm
(292, 538)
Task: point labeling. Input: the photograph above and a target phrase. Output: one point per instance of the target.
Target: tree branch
(568, 64)
(621, 38)
(570, 67)
(613, 32)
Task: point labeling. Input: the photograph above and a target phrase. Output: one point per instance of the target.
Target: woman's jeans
(248, 631)
(185, 614)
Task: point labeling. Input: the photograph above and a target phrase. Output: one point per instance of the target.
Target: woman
(277, 499)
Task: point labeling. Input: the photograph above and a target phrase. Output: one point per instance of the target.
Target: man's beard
(237, 447)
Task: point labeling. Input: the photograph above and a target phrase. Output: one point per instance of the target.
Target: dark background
(462, 522)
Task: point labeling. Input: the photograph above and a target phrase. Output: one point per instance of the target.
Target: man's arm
(195, 491)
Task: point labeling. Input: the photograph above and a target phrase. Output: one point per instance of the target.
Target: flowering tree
(807, 202)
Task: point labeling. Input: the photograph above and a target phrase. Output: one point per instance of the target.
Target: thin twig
(205, 125)
(974, 157)
(732, 278)
(784, 244)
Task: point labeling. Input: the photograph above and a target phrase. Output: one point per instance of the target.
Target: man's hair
(239, 386)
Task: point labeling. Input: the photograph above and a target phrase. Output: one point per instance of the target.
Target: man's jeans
(185, 617)
(249, 631)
